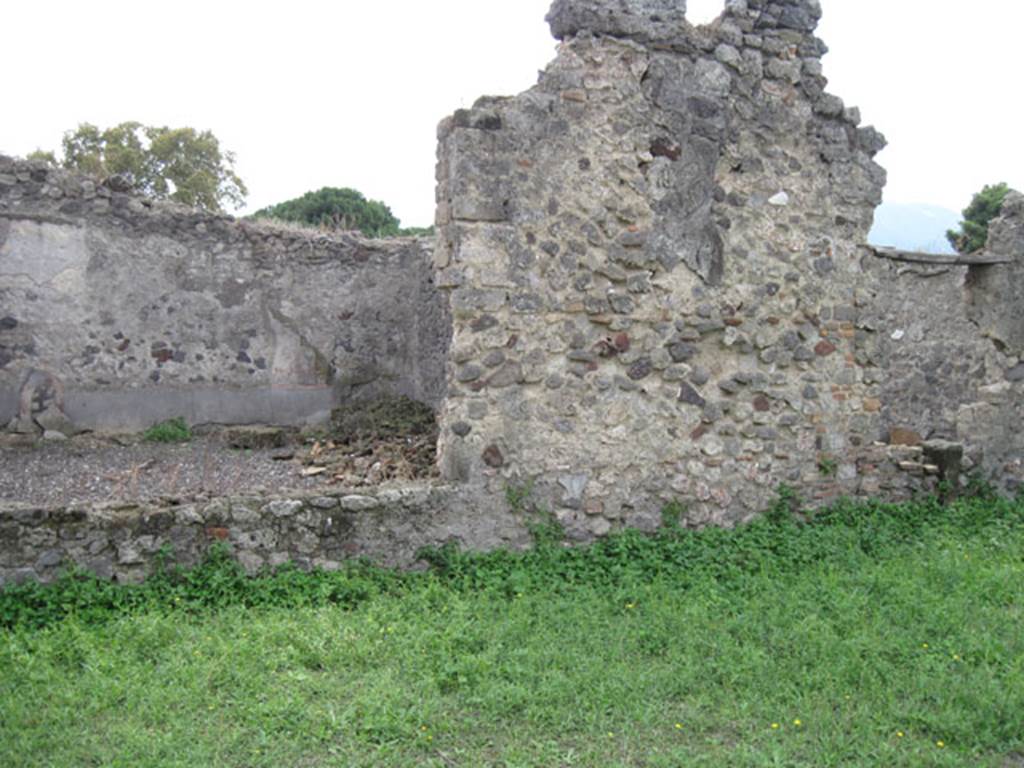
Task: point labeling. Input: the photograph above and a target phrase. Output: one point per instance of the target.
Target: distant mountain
(914, 227)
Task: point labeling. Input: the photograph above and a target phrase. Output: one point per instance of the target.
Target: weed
(543, 526)
(672, 515)
(171, 431)
(827, 466)
(545, 529)
(786, 506)
(518, 496)
(980, 487)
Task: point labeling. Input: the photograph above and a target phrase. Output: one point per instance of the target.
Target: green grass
(676, 650)
(171, 431)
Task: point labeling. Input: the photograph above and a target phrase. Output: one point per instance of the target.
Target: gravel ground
(90, 468)
(365, 444)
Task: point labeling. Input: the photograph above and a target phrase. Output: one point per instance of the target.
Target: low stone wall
(388, 526)
(116, 312)
(122, 541)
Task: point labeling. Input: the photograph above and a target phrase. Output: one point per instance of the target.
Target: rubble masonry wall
(122, 311)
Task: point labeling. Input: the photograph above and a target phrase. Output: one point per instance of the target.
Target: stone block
(256, 437)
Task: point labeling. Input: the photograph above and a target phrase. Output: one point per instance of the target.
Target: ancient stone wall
(117, 312)
(943, 355)
(659, 285)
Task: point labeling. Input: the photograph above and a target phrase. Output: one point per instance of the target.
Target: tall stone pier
(659, 282)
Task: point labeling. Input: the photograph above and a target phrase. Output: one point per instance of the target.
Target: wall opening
(699, 12)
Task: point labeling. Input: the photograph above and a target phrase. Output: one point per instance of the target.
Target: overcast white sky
(349, 93)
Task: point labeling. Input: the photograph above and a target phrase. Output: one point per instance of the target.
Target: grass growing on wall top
(873, 636)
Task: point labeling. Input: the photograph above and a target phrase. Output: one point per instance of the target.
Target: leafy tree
(180, 164)
(984, 207)
(334, 208)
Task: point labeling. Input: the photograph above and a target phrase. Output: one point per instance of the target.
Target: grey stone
(947, 456)
(49, 559)
(53, 419)
(255, 437)
(641, 369)
(613, 272)
(356, 503)
(506, 376)
(621, 303)
(468, 373)
(323, 502)
(676, 373)
(574, 485)
(251, 562)
(283, 508)
(187, 515)
(729, 386)
(700, 376)
(682, 352)
(494, 358)
(829, 105)
(642, 19)
(23, 425)
(639, 283)
(728, 55)
(129, 553)
(802, 15)
(689, 395)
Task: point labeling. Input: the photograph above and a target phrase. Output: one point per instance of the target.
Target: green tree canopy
(180, 164)
(984, 207)
(334, 208)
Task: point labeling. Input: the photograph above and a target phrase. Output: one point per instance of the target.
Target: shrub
(335, 208)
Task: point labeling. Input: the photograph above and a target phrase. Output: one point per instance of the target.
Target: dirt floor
(363, 446)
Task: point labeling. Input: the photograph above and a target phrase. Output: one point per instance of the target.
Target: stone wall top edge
(33, 189)
(736, 29)
(665, 21)
(348, 499)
